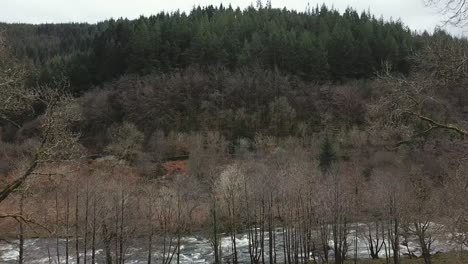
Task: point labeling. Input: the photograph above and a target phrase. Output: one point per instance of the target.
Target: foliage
(328, 156)
(318, 45)
(126, 141)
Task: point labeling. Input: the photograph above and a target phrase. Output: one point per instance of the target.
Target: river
(194, 249)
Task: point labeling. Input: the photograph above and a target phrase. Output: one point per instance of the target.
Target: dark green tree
(327, 157)
(341, 52)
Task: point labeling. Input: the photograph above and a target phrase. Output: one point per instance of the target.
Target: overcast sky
(412, 12)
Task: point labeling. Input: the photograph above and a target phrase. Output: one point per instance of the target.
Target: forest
(279, 136)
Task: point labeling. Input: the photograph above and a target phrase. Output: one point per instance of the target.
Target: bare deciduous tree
(455, 11)
(57, 141)
(417, 106)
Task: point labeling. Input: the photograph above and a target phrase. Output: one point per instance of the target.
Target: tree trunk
(425, 245)
(67, 225)
(396, 242)
(85, 257)
(21, 233)
(121, 236)
(215, 233)
(93, 243)
(57, 227)
(10, 188)
(77, 245)
(107, 239)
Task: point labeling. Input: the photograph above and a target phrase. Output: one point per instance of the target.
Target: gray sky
(412, 12)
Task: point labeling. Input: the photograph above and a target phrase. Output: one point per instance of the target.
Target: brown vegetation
(286, 155)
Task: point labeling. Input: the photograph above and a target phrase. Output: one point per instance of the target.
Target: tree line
(319, 44)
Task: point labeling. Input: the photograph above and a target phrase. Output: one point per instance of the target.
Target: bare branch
(21, 218)
(454, 11)
(436, 124)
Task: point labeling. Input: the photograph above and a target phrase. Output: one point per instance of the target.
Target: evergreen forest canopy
(317, 45)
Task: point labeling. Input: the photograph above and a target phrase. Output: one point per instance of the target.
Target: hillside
(318, 45)
(262, 124)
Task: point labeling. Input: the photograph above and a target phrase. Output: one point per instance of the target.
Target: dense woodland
(318, 45)
(234, 121)
(217, 68)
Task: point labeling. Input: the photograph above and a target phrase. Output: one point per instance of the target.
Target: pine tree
(341, 53)
(318, 45)
(139, 59)
(327, 156)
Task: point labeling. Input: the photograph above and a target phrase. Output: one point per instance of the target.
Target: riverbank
(441, 258)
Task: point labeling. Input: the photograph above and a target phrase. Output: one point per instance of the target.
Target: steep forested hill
(235, 121)
(240, 72)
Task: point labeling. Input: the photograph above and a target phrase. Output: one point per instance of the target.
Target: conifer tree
(327, 157)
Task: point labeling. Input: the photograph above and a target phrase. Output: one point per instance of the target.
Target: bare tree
(150, 215)
(21, 231)
(392, 187)
(421, 105)
(422, 212)
(126, 141)
(57, 141)
(207, 157)
(77, 223)
(167, 226)
(94, 229)
(67, 222)
(57, 225)
(376, 227)
(454, 11)
(230, 182)
(456, 207)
